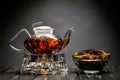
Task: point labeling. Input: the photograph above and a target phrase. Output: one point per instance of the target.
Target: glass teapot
(41, 53)
(43, 40)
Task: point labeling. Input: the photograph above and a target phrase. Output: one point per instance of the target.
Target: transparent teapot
(42, 54)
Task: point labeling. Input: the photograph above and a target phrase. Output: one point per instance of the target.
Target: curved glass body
(45, 43)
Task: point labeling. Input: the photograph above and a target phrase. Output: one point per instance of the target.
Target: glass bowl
(91, 61)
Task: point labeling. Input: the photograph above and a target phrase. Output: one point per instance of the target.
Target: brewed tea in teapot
(42, 50)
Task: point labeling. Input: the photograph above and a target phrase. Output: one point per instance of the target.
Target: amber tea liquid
(43, 45)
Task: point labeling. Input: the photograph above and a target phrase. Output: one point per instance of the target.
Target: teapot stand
(44, 63)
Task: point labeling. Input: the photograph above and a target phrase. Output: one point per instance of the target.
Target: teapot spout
(67, 36)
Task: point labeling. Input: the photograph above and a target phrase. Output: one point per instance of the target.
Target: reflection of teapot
(44, 40)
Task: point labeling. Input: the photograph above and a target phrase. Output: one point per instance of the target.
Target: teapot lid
(43, 29)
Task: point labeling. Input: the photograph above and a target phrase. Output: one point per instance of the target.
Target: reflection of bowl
(90, 61)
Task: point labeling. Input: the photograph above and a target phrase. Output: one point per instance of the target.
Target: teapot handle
(17, 49)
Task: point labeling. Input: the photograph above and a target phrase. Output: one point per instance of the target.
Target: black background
(96, 23)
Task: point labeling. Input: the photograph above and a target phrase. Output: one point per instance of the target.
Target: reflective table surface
(12, 73)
